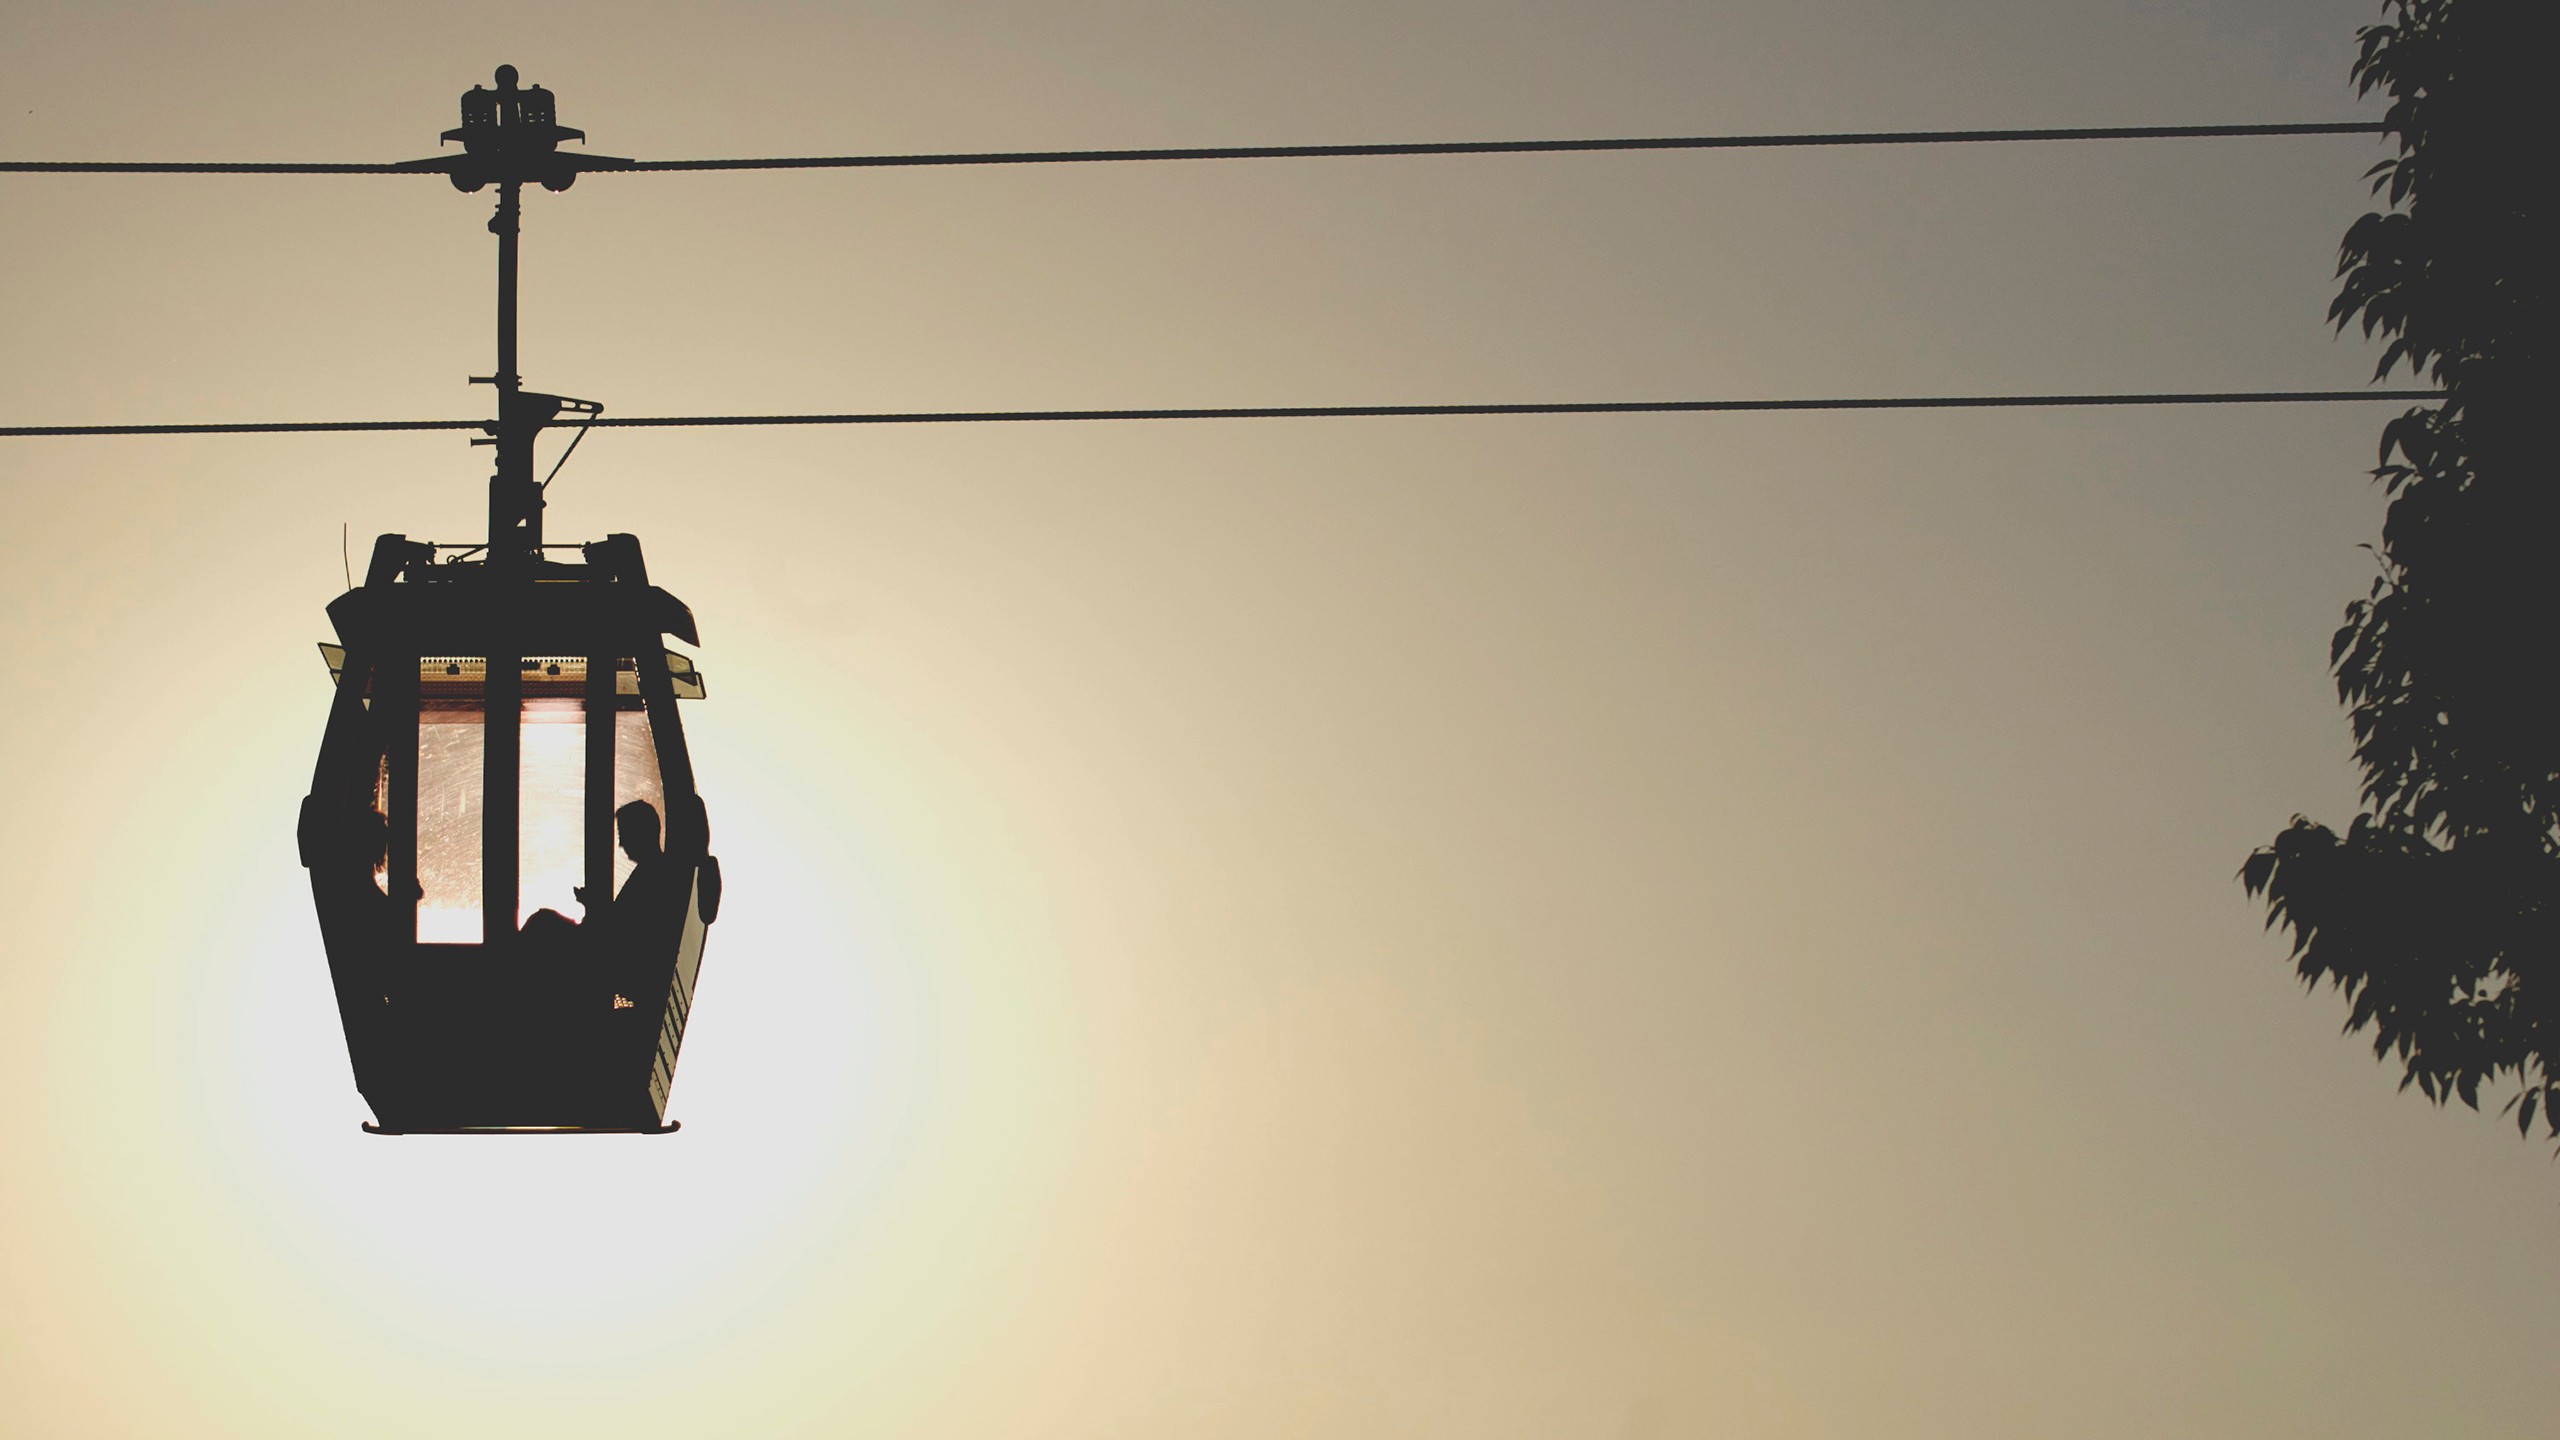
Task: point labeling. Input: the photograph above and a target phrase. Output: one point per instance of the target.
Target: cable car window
(635, 777)
(451, 739)
(378, 829)
(551, 805)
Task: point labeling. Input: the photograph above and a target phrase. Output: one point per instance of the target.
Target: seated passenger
(549, 928)
(652, 873)
(640, 931)
(638, 924)
(376, 829)
(380, 908)
(657, 882)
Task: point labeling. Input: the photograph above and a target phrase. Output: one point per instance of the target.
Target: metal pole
(515, 501)
(506, 225)
(501, 762)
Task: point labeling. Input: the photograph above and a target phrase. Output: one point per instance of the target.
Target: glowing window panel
(551, 799)
(635, 777)
(450, 744)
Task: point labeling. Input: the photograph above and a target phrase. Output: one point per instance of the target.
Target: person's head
(637, 823)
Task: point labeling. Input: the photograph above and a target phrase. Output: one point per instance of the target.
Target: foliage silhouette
(2437, 913)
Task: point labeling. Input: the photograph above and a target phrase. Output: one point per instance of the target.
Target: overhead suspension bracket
(511, 136)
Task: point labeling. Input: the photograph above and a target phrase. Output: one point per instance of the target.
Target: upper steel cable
(1255, 152)
(196, 167)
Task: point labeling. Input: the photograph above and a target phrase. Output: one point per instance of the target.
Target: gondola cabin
(509, 859)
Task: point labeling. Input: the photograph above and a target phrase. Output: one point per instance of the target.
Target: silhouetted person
(547, 928)
(637, 926)
(640, 931)
(656, 881)
(376, 828)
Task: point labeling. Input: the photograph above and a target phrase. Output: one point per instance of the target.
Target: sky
(1643, 927)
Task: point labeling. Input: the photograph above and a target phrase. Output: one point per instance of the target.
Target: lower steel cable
(1290, 412)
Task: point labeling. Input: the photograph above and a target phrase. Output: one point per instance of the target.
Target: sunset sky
(1644, 927)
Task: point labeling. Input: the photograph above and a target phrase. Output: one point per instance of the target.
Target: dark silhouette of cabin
(489, 722)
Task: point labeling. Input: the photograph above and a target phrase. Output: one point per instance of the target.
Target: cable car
(510, 862)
